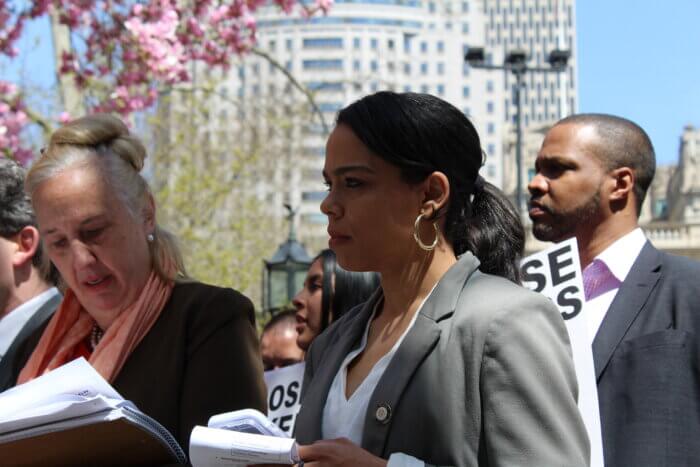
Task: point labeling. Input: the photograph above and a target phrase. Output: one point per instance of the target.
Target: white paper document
(216, 447)
(73, 382)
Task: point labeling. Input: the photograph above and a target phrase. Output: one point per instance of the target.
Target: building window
(332, 64)
(357, 42)
(424, 47)
(424, 68)
(440, 47)
(407, 68)
(289, 44)
(407, 88)
(314, 195)
(390, 44)
(330, 106)
(489, 86)
(325, 86)
(374, 43)
(465, 28)
(465, 7)
(490, 128)
(465, 91)
(424, 88)
(466, 111)
(489, 107)
(356, 65)
(531, 172)
(441, 89)
(491, 149)
(323, 43)
(431, 7)
(441, 68)
(374, 66)
(660, 207)
(315, 218)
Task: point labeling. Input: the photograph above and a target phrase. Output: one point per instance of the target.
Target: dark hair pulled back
(351, 288)
(421, 134)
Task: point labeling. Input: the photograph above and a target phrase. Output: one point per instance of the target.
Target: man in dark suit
(642, 305)
(27, 295)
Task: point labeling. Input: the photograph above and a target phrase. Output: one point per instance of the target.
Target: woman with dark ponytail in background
(448, 363)
(329, 292)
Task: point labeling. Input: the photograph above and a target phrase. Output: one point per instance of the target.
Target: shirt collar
(623, 252)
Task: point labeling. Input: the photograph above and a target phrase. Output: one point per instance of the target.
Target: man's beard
(563, 224)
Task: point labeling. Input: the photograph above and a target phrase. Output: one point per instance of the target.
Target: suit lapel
(7, 369)
(414, 349)
(326, 369)
(628, 302)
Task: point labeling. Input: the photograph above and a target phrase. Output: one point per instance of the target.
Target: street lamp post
(516, 63)
(284, 273)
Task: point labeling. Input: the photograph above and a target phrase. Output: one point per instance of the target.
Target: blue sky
(638, 59)
(641, 60)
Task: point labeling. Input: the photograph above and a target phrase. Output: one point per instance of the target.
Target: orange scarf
(72, 323)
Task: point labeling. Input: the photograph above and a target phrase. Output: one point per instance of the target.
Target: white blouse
(345, 418)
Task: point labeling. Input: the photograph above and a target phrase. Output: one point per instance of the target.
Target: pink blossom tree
(127, 50)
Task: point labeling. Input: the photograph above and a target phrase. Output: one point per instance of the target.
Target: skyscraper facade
(406, 46)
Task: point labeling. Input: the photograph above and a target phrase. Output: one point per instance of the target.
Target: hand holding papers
(255, 441)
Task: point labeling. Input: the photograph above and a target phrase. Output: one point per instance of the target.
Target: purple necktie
(598, 279)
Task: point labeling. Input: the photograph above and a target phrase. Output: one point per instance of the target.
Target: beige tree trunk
(71, 95)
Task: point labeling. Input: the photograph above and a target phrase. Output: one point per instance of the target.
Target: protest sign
(556, 273)
(284, 395)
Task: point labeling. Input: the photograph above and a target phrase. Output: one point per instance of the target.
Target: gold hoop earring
(416, 234)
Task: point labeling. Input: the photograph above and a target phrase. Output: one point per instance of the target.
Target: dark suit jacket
(484, 377)
(200, 358)
(9, 362)
(647, 361)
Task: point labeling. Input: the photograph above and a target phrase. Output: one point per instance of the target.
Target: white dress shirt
(619, 258)
(13, 322)
(345, 418)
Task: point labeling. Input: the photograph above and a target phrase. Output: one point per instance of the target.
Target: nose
(537, 185)
(329, 205)
(82, 255)
(297, 300)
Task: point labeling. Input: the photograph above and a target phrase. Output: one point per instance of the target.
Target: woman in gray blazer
(447, 364)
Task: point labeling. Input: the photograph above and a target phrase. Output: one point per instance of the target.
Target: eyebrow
(554, 159)
(84, 222)
(349, 168)
(316, 277)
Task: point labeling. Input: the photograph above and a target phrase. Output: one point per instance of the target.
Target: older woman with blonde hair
(180, 350)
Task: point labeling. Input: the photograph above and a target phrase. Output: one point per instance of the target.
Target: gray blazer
(647, 360)
(484, 377)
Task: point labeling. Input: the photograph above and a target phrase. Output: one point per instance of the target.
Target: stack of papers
(72, 416)
(240, 438)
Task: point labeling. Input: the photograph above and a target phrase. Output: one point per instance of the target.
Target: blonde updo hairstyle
(105, 140)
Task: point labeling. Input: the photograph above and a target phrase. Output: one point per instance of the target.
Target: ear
(436, 194)
(624, 180)
(27, 241)
(149, 214)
